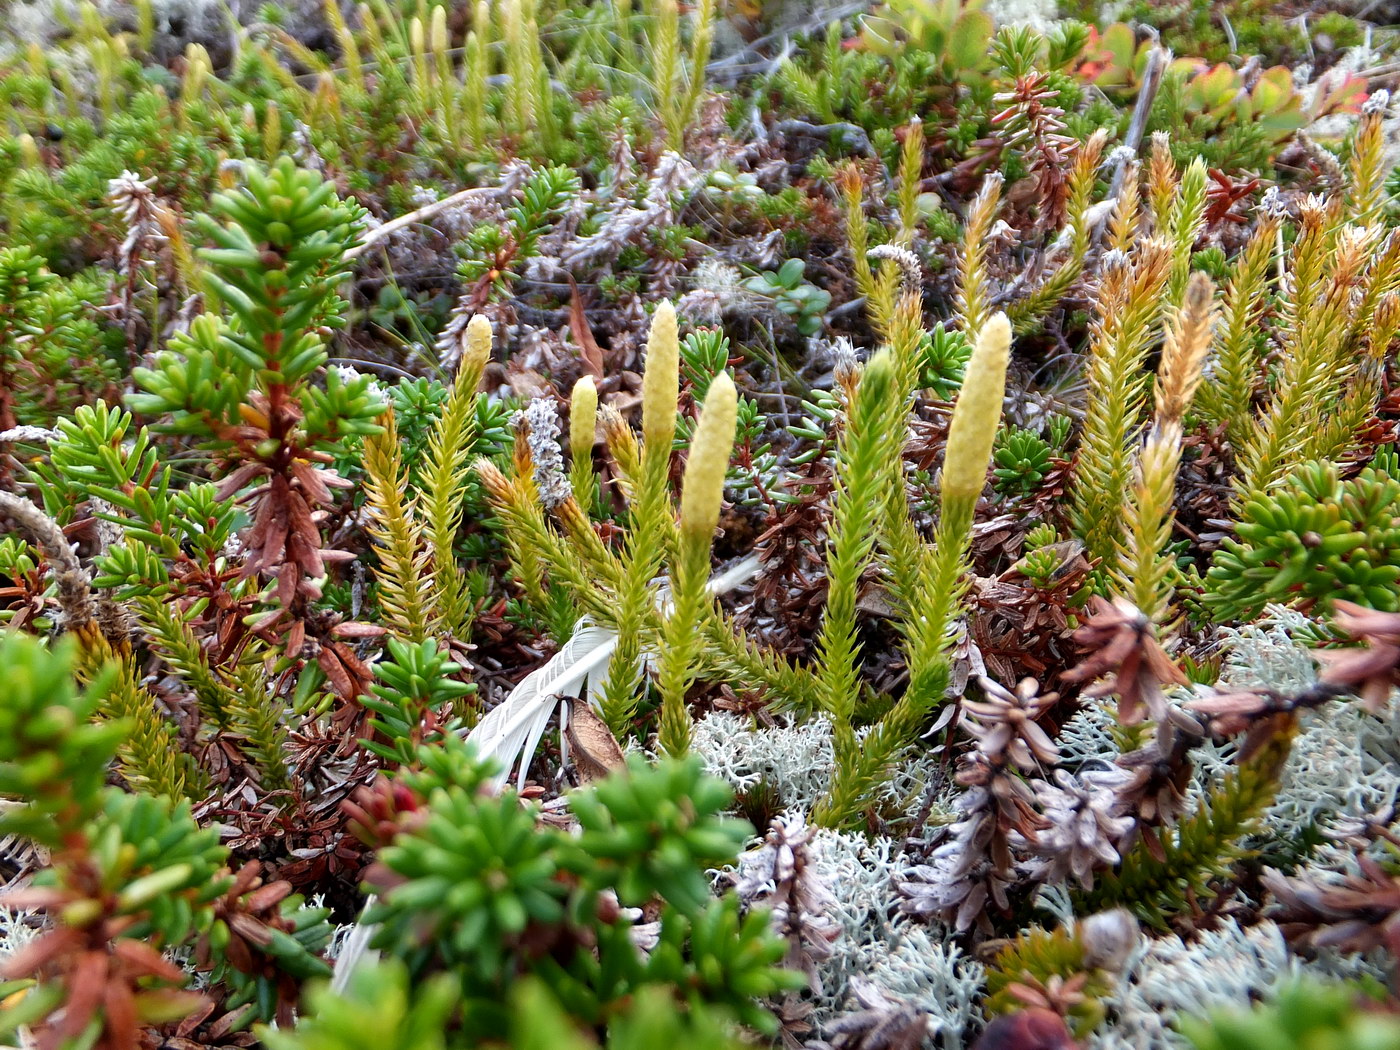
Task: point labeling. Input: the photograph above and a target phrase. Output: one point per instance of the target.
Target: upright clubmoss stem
(702, 494)
(476, 347)
(652, 527)
(661, 381)
(976, 417)
(702, 489)
(583, 425)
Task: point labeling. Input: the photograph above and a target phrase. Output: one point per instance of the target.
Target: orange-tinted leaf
(120, 1016)
(312, 481)
(145, 961)
(272, 893)
(1273, 91)
(85, 983)
(336, 674)
(582, 333)
(354, 629)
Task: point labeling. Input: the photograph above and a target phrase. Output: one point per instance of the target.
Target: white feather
(354, 949)
(511, 731)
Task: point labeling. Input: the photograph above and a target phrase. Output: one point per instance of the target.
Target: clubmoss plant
(422, 586)
(1228, 395)
(1131, 294)
(871, 444)
(651, 532)
(1337, 278)
(878, 291)
(973, 292)
(1366, 166)
(583, 426)
(403, 565)
(937, 588)
(852, 540)
(702, 494)
(1146, 568)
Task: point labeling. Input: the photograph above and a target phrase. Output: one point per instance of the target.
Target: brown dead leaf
(596, 750)
(583, 335)
(874, 600)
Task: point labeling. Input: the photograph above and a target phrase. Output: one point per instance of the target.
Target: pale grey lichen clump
(1167, 977)
(1344, 762)
(909, 960)
(1268, 653)
(17, 929)
(1038, 14)
(924, 968)
(1087, 737)
(797, 762)
(1341, 768)
(868, 952)
(1342, 765)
